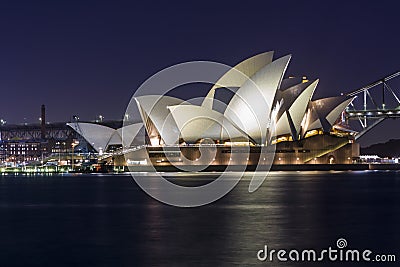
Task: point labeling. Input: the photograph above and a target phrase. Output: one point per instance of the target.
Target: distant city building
(377, 159)
(22, 151)
(25, 143)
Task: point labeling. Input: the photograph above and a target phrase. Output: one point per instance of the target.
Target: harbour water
(107, 220)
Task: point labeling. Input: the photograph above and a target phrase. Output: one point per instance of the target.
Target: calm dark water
(106, 220)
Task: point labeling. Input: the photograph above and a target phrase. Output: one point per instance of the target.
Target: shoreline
(280, 167)
(220, 168)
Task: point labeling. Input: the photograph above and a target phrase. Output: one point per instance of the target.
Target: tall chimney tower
(43, 122)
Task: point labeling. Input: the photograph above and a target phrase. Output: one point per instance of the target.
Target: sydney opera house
(268, 116)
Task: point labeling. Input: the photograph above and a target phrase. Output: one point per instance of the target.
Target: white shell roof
(154, 111)
(248, 115)
(324, 112)
(239, 74)
(300, 105)
(129, 132)
(335, 113)
(296, 101)
(209, 99)
(96, 135)
(196, 122)
(100, 136)
(250, 107)
(282, 126)
(249, 112)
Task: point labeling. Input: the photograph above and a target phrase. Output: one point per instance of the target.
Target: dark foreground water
(106, 220)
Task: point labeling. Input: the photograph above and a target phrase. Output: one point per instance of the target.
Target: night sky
(88, 57)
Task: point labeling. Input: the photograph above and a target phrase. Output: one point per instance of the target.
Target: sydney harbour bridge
(374, 103)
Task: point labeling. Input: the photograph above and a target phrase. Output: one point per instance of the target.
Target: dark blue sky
(88, 57)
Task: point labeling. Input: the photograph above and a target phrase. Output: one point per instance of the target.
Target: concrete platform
(280, 167)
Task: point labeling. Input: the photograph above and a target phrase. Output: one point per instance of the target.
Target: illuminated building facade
(265, 110)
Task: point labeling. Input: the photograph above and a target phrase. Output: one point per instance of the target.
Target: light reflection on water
(106, 220)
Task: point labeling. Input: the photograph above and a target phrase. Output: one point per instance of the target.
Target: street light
(73, 145)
